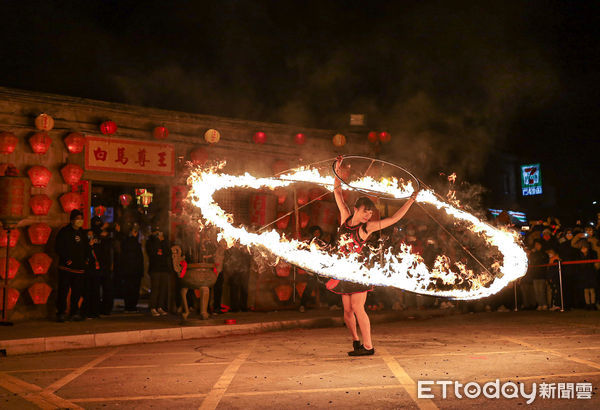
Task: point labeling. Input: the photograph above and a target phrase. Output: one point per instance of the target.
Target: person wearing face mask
(72, 248)
(354, 230)
(159, 253)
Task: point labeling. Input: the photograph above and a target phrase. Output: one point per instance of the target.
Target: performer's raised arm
(399, 214)
(337, 192)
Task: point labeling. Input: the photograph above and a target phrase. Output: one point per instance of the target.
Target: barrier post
(562, 304)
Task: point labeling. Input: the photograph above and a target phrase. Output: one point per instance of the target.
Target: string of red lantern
(8, 142)
(40, 263)
(40, 142)
(75, 142)
(40, 204)
(71, 173)
(39, 176)
(70, 201)
(108, 127)
(39, 233)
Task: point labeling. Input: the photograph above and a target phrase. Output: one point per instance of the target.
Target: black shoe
(60, 318)
(361, 351)
(356, 345)
(77, 318)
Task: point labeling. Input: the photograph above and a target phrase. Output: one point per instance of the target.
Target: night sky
(452, 81)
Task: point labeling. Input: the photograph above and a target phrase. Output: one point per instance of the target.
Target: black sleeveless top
(348, 241)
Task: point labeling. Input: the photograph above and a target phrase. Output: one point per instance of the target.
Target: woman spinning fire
(353, 232)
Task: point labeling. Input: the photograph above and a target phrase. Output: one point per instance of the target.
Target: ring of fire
(398, 268)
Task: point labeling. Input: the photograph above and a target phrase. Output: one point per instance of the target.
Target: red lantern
(125, 199)
(279, 166)
(44, 122)
(40, 204)
(11, 298)
(199, 156)
(303, 218)
(259, 137)
(108, 127)
(39, 233)
(300, 138)
(8, 142)
(281, 195)
(99, 210)
(282, 269)
(384, 136)
(40, 263)
(339, 140)
(284, 292)
(283, 222)
(372, 136)
(300, 286)
(302, 196)
(39, 176)
(71, 173)
(14, 237)
(70, 201)
(40, 142)
(39, 293)
(75, 142)
(13, 267)
(161, 132)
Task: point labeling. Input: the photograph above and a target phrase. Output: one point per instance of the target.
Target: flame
(398, 268)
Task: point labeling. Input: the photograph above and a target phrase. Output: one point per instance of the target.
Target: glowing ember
(398, 268)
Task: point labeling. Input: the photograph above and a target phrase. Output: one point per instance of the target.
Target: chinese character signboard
(139, 157)
(531, 179)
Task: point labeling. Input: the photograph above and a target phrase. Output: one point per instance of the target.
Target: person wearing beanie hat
(72, 247)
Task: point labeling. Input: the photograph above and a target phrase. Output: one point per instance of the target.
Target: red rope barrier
(566, 263)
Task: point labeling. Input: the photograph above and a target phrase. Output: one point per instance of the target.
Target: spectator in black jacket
(159, 255)
(131, 268)
(71, 247)
(236, 270)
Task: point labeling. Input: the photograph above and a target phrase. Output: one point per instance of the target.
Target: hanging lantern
(40, 263)
(70, 201)
(300, 138)
(71, 173)
(39, 233)
(39, 176)
(40, 142)
(39, 293)
(11, 298)
(284, 292)
(13, 267)
(146, 198)
(212, 136)
(160, 132)
(199, 156)
(384, 136)
(339, 140)
(282, 269)
(300, 286)
(44, 122)
(279, 166)
(372, 136)
(12, 204)
(282, 223)
(14, 237)
(8, 142)
(75, 142)
(108, 127)
(303, 219)
(281, 195)
(125, 199)
(259, 137)
(99, 210)
(40, 204)
(302, 196)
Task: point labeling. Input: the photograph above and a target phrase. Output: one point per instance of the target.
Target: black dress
(349, 241)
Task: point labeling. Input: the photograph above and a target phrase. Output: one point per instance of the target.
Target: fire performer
(353, 232)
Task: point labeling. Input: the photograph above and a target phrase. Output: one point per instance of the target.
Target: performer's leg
(349, 318)
(357, 301)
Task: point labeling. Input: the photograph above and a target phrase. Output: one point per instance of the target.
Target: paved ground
(308, 368)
